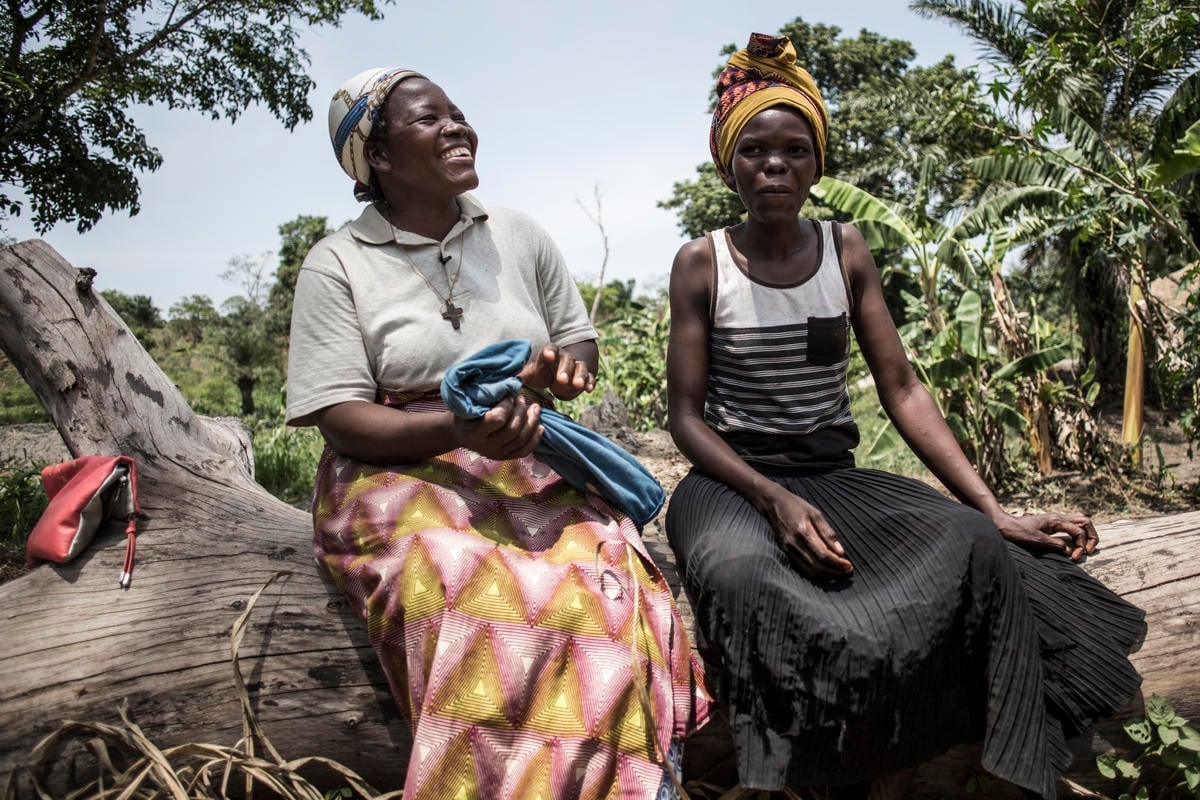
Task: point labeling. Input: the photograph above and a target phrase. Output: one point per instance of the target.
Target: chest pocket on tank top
(828, 342)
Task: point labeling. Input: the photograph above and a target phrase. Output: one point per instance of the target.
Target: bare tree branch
(597, 219)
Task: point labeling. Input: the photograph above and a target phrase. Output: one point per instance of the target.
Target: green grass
(22, 500)
(285, 461)
(18, 403)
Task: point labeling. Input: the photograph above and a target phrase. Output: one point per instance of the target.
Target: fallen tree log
(76, 646)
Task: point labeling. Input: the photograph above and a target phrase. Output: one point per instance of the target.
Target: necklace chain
(451, 313)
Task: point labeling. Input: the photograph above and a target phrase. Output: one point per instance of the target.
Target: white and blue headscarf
(352, 112)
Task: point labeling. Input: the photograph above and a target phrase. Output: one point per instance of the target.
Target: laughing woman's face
(429, 148)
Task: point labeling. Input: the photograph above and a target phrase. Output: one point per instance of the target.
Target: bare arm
(916, 416)
(378, 434)
(802, 530)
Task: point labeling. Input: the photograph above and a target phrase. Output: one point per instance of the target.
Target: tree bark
(75, 646)
(246, 388)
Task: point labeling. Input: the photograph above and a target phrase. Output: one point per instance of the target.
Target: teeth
(456, 152)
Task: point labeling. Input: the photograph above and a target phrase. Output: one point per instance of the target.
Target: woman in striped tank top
(861, 622)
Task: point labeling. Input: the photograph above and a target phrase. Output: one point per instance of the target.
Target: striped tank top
(777, 362)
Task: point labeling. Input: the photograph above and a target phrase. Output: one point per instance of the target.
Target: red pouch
(84, 493)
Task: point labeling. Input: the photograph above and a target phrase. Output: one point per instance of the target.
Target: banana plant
(976, 379)
(979, 388)
(1126, 201)
(968, 245)
(927, 242)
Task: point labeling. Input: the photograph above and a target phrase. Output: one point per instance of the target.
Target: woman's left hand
(1073, 535)
(554, 368)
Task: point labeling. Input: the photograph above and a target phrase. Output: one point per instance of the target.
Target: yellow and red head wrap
(762, 75)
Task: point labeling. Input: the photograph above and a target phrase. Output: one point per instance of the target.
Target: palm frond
(1085, 140)
(1028, 229)
(926, 181)
(1179, 113)
(1024, 170)
(1184, 160)
(1000, 29)
(1001, 211)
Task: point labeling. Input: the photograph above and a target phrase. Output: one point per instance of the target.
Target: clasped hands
(1072, 535)
(812, 546)
(512, 428)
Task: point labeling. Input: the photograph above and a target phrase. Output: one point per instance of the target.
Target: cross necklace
(451, 312)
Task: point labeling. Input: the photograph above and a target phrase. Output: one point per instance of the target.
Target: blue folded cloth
(583, 457)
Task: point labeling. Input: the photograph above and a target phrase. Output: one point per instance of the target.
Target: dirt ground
(31, 443)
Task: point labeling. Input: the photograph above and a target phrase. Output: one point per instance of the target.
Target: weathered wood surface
(75, 646)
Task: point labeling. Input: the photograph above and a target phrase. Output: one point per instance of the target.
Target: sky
(568, 98)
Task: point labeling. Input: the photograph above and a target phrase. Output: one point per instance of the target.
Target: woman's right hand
(510, 429)
(809, 541)
(559, 370)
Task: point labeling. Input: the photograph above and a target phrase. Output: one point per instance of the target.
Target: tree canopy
(139, 313)
(296, 238)
(1100, 98)
(72, 70)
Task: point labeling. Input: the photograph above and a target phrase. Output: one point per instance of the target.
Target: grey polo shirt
(364, 318)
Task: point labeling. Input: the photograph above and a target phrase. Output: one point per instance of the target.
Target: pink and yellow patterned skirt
(525, 632)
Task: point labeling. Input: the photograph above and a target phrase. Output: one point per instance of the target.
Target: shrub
(285, 461)
(1167, 759)
(18, 403)
(22, 500)
(633, 364)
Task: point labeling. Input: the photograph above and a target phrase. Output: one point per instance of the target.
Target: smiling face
(774, 164)
(428, 149)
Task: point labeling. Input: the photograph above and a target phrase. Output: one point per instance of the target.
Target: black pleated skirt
(945, 633)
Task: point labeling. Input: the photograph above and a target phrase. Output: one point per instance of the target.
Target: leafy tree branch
(73, 70)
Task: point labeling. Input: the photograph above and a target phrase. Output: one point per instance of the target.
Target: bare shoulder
(693, 256)
(853, 244)
(699, 248)
(856, 256)
(691, 277)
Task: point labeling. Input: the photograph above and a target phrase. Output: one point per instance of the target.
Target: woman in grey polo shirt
(527, 636)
